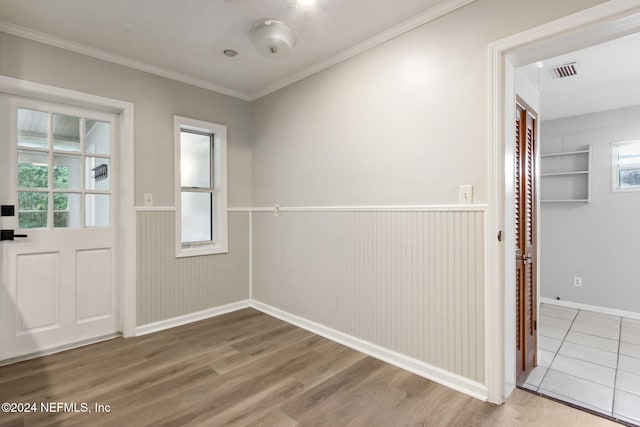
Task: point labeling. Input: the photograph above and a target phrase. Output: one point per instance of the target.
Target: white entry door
(59, 170)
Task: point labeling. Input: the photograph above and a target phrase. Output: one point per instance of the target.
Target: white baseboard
(446, 378)
(594, 308)
(191, 317)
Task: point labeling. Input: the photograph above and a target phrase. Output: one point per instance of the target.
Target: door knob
(10, 235)
(526, 258)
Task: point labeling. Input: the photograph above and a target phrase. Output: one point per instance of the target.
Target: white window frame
(615, 168)
(220, 242)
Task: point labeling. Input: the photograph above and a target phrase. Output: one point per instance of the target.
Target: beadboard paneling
(411, 282)
(169, 287)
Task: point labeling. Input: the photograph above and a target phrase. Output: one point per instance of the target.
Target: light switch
(148, 199)
(465, 194)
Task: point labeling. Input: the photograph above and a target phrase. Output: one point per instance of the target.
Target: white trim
(380, 208)
(126, 239)
(104, 55)
(404, 27)
(155, 208)
(190, 318)
(239, 209)
(588, 27)
(393, 32)
(446, 378)
(588, 307)
(250, 255)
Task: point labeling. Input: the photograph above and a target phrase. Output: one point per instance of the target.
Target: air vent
(566, 70)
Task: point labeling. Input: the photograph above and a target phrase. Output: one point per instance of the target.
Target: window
(626, 166)
(63, 174)
(201, 187)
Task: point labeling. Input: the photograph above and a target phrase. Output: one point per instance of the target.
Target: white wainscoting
(406, 280)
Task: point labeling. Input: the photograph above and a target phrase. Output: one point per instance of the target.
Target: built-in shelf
(566, 177)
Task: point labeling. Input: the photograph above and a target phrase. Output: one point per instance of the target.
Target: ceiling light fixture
(306, 2)
(273, 39)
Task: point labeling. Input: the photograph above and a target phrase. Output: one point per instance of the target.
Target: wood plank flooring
(247, 368)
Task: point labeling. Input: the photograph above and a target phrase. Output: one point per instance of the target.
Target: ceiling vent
(566, 70)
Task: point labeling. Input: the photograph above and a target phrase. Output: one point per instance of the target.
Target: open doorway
(589, 199)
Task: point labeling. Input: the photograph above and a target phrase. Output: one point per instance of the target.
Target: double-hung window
(626, 166)
(201, 193)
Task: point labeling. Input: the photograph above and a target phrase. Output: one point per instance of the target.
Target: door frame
(601, 23)
(125, 233)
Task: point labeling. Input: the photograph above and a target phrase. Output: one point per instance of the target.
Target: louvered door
(525, 231)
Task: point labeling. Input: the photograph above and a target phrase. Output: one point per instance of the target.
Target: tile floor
(590, 360)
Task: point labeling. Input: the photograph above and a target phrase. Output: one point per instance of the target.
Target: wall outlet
(465, 194)
(148, 199)
(577, 281)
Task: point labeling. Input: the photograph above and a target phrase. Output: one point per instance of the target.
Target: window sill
(201, 251)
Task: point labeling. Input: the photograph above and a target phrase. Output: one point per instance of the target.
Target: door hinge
(535, 325)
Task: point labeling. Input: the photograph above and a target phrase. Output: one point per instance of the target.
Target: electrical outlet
(577, 281)
(465, 194)
(148, 199)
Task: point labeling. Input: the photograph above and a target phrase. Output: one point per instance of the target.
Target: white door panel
(58, 167)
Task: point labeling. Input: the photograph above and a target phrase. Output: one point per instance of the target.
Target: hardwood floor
(247, 368)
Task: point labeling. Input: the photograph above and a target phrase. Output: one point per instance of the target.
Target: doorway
(601, 23)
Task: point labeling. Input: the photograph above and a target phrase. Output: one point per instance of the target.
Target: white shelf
(566, 153)
(565, 173)
(566, 177)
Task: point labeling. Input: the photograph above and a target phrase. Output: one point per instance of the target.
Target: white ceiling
(184, 39)
(610, 79)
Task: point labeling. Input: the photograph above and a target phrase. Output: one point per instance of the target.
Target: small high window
(201, 193)
(626, 166)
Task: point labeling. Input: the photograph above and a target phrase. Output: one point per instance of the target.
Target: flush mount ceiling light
(273, 39)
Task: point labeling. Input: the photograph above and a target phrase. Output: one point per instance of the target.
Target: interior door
(59, 171)
(525, 223)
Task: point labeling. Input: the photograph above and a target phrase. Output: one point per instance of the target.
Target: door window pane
(97, 210)
(33, 169)
(66, 210)
(66, 133)
(97, 136)
(196, 217)
(195, 160)
(67, 172)
(32, 209)
(33, 129)
(97, 174)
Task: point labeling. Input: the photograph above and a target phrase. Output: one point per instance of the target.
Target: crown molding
(40, 37)
(393, 32)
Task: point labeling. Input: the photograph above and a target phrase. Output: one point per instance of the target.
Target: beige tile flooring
(590, 360)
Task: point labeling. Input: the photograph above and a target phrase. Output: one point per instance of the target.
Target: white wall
(596, 241)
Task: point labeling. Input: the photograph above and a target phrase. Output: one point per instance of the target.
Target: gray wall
(403, 123)
(596, 241)
(410, 282)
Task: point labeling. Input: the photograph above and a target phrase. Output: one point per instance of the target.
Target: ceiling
(184, 39)
(609, 79)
